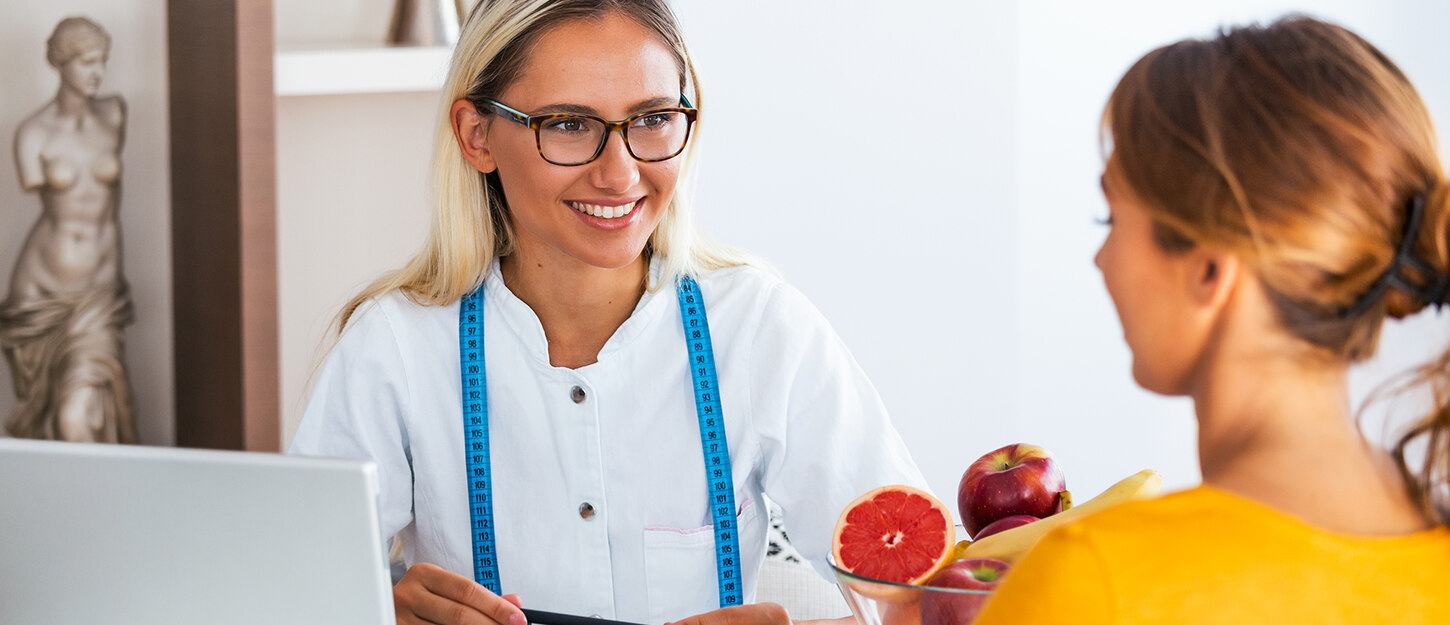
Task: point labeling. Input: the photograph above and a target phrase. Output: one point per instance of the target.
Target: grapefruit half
(896, 534)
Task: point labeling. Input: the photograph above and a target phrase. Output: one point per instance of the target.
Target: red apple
(1016, 479)
(1005, 523)
(960, 608)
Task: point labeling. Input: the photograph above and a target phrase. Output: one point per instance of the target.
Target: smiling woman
(572, 396)
(614, 205)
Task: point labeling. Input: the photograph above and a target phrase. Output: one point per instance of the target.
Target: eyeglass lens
(572, 140)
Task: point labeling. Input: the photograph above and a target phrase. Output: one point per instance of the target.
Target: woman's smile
(608, 214)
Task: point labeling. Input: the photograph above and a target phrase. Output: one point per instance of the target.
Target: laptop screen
(126, 534)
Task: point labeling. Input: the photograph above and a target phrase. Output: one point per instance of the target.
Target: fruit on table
(1016, 479)
(961, 549)
(949, 608)
(896, 534)
(1004, 523)
(1012, 544)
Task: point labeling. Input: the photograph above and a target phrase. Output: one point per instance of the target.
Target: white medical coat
(804, 426)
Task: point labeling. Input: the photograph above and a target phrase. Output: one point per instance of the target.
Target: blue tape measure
(475, 439)
(712, 439)
(719, 482)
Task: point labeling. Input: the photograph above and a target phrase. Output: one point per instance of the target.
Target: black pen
(540, 617)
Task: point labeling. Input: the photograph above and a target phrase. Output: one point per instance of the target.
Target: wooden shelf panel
(340, 70)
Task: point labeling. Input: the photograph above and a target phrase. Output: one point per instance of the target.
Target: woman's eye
(565, 125)
(652, 121)
(1105, 221)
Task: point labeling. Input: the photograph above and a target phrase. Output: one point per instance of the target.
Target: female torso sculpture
(61, 323)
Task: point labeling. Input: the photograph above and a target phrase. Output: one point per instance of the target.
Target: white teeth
(604, 212)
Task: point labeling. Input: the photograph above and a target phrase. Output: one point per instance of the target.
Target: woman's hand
(753, 614)
(429, 594)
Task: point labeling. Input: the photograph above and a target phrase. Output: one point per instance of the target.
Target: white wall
(137, 71)
(350, 205)
(925, 171)
(868, 150)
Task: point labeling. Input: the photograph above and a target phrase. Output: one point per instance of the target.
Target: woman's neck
(580, 306)
(1250, 405)
(1275, 426)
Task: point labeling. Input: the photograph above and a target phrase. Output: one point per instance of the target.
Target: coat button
(586, 511)
(577, 394)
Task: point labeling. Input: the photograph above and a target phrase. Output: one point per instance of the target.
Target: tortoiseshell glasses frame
(537, 123)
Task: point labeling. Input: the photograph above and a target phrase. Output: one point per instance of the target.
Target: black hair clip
(1433, 293)
(1438, 294)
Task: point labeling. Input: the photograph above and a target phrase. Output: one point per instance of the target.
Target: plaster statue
(60, 325)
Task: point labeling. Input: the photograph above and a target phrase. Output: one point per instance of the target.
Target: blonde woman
(1275, 194)
(571, 396)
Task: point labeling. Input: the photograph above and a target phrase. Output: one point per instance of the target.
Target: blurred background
(924, 170)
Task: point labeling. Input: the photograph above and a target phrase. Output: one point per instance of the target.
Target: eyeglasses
(568, 139)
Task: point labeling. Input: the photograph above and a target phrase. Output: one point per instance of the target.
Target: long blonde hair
(1300, 148)
(470, 226)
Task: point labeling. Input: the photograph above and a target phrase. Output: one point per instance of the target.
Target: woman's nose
(615, 170)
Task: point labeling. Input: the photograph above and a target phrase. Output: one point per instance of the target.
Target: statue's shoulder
(112, 109)
(32, 132)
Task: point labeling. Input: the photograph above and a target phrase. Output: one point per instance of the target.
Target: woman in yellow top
(1275, 193)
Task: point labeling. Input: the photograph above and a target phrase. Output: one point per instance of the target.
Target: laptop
(101, 534)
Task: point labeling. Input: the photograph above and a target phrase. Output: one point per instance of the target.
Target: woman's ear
(1211, 276)
(471, 131)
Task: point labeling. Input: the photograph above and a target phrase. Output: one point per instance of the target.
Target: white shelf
(344, 70)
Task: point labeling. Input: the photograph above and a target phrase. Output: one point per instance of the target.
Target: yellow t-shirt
(1206, 556)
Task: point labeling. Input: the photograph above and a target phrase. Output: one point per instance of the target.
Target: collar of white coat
(521, 320)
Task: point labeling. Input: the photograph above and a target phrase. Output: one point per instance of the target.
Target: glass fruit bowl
(877, 602)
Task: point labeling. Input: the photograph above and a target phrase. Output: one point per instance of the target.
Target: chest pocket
(681, 575)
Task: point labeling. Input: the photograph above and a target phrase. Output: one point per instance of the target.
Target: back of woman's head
(1303, 150)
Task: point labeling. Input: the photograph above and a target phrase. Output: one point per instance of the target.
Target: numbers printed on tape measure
(712, 436)
(701, 361)
(475, 418)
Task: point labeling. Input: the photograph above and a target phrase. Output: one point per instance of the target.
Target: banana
(1012, 544)
(960, 550)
